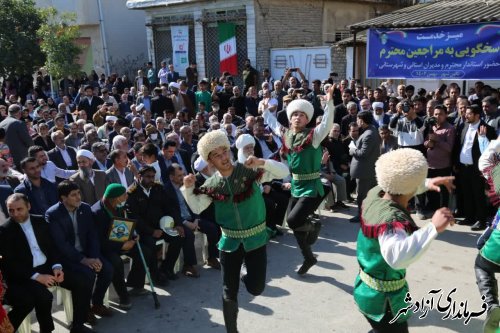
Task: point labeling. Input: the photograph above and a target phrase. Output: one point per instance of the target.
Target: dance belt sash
(244, 233)
(384, 286)
(306, 176)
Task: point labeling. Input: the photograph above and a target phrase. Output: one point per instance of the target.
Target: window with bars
(342, 34)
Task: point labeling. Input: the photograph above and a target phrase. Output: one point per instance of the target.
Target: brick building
(261, 25)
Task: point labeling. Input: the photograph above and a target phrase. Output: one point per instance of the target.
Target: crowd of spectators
(61, 154)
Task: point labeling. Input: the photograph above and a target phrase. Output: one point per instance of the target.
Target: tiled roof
(438, 12)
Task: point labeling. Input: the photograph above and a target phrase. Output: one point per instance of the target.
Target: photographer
(290, 80)
(439, 147)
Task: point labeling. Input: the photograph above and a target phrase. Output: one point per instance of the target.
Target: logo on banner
(227, 48)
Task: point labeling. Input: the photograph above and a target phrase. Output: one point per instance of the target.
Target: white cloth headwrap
(85, 153)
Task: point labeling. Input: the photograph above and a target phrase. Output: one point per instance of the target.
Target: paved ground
(319, 302)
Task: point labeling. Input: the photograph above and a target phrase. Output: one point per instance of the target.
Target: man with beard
(223, 97)
(278, 93)
(365, 105)
(92, 183)
(379, 117)
(341, 109)
(238, 101)
(41, 193)
(5, 175)
(352, 111)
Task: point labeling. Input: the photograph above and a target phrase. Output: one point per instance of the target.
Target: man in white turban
(92, 182)
(245, 145)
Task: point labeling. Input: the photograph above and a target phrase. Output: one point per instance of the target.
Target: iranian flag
(227, 48)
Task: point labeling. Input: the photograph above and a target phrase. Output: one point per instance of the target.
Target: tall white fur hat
(401, 171)
(300, 105)
(210, 141)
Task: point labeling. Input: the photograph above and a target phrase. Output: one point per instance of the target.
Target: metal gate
(163, 41)
(212, 57)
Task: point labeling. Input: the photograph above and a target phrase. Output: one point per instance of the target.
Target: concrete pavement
(321, 301)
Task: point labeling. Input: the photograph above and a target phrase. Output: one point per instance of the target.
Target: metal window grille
(212, 57)
(342, 34)
(163, 40)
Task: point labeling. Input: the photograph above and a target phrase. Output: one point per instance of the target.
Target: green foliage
(58, 41)
(19, 49)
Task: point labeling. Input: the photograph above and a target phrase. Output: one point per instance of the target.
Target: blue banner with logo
(468, 51)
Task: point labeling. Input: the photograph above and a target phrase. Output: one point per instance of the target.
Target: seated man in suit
(72, 227)
(40, 192)
(92, 183)
(31, 263)
(119, 173)
(64, 157)
(191, 223)
(147, 204)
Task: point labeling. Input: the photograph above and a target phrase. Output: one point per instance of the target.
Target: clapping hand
(254, 162)
(189, 180)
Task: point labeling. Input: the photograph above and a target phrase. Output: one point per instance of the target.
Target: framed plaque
(121, 230)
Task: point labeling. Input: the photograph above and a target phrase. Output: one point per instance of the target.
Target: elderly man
(188, 144)
(92, 183)
(74, 138)
(379, 117)
(6, 175)
(64, 157)
(41, 192)
(352, 112)
(104, 130)
(16, 134)
(49, 170)
(120, 142)
(100, 151)
(119, 172)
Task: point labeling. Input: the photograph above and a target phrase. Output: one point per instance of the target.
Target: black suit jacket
(56, 157)
(159, 104)
(92, 107)
(476, 152)
(14, 247)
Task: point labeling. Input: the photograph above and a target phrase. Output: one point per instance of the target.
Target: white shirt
(123, 179)
(65, 156)
(156, 165)
(400, 250)
(38, 257)
(50, 171)
(466, 152)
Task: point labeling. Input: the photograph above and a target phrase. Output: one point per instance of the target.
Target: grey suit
(91, 193)
(17, 138)
(113, 177)
(363, 162)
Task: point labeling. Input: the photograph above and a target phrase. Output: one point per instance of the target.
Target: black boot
(305, 248)
(312, 229)
(230, 310)
(488, 288)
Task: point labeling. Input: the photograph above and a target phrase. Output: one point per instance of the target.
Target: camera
(293, 69)
(406, 107)
(431, 122)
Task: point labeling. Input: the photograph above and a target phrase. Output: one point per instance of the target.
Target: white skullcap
(300, 105)
(244, 140)
(377, 105)
(401, 171)
(200, 164)
(85, 153)
(174, 85)
(211, 141)
(139, 107)
(111, 118)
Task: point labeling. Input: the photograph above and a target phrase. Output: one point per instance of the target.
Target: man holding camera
(439, 147)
